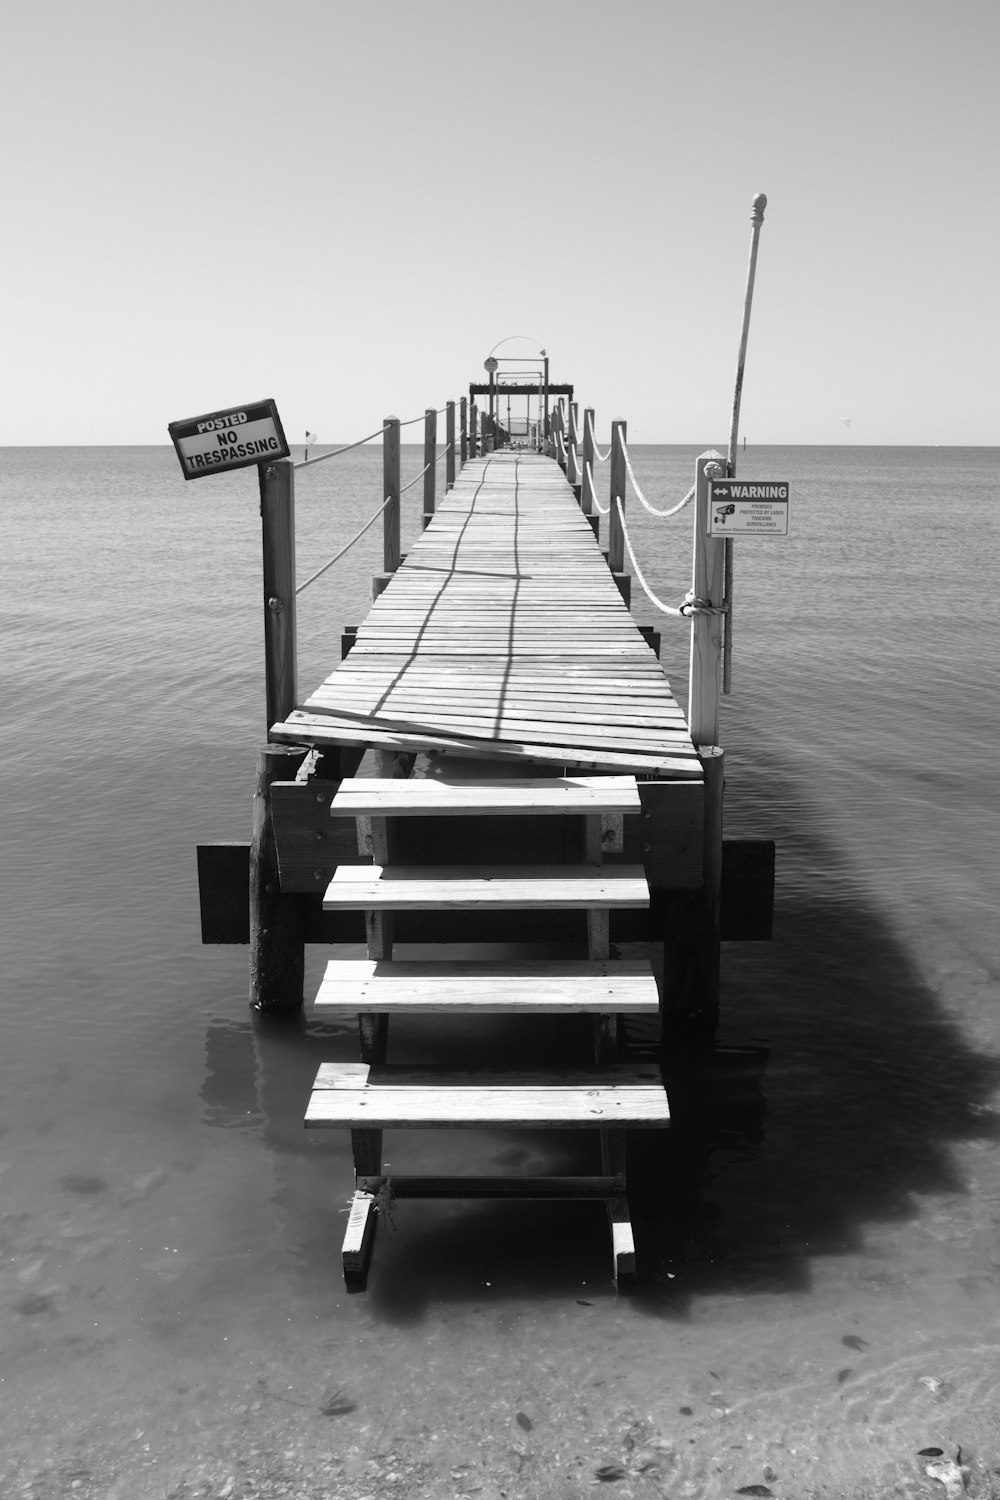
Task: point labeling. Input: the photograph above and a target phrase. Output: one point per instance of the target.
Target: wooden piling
(390, 492)
(390, 515)
(430, 465)
(707, 587)
(692, 924)
(713, 765)
(277, 943)
(449, 437)
(587, 491)
(572, 448)
(616, 537)
(473, 437)
(464, 424)
(692, 937)
(277, 510)
(559, 435)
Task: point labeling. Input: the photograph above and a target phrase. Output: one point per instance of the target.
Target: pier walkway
(503, 634)
(502, 658)
(496, 795)
(497, 776)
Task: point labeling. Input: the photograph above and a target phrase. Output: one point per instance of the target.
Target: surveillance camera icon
(722, 511)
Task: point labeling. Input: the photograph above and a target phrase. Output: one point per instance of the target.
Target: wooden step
(495, 887)
(552, 987)
(366, 1099)
(364, 1096)
(422, 1186)
(371, 797)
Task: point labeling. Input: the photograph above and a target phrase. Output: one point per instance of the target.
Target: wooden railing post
(277, 510)
(691, 950)
(463, 413)
(390, 516)
(473, 435)
(430, 461)
(449, 437)
(707, 585)
(559, 435)
(616, 537)
(572, 465)
(587, 490)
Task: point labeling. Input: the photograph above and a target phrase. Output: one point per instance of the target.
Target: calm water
(819, 1237)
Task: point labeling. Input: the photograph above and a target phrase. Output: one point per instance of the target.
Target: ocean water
(819, 1295)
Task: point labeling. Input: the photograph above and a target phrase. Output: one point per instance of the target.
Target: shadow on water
(830, 1103)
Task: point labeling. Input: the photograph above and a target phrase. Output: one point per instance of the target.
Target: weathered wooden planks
(503, 630)
(324, 729)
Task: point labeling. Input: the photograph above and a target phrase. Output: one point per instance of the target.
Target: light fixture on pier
(491, 364)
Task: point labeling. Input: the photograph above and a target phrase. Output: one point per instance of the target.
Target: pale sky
(346, 205)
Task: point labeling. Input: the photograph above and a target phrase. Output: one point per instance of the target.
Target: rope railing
(308, 462)
(642, 499)
(417, 480)
(356, 538)
(601, 509)
(601, 457)
(691, 605)
(389, 499)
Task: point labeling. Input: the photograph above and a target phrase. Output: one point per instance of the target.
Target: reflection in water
(815, 1257)
(831, 1104)
(799, 1228)
(817, 1235)
(769, 1161)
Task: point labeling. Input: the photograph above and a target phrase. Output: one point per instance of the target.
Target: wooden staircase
(371, 1096)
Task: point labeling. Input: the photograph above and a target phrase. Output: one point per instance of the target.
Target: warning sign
(747, 507)
(229, 439)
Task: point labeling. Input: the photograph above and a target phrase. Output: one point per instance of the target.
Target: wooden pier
(503, 635)
(526, 776)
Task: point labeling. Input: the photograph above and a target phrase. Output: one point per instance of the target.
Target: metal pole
(756, 220)
(546, 428)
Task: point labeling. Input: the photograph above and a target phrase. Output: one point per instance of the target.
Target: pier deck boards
(504, 634)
